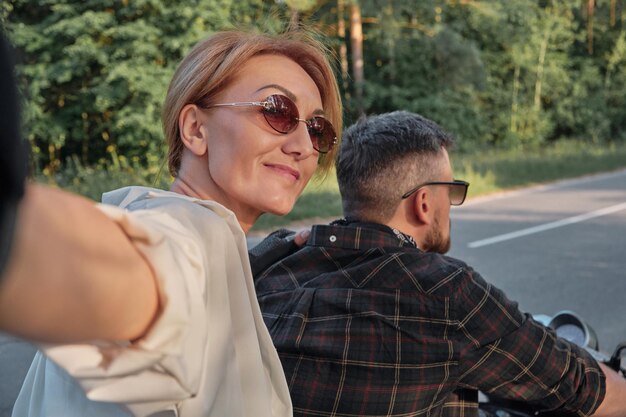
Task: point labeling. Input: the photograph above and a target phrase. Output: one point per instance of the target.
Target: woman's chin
(280, 209)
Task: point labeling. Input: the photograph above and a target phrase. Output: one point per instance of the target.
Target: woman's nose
(299, 141)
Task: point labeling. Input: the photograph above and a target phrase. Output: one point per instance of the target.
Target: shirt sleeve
(507, 354)
(164, 366)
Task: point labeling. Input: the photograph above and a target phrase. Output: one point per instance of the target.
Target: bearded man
(371, 319)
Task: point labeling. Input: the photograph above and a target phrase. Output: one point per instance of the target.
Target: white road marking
(543, 227)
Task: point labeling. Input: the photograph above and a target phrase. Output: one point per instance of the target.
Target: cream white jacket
(207, 354)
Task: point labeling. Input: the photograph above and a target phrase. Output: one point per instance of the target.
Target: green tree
(506, 74)
(94, 73)
(415, 61)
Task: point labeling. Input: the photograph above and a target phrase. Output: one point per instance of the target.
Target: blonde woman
(149, 308)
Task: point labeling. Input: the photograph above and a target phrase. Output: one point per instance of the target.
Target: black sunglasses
(281, 113)
(458, 190)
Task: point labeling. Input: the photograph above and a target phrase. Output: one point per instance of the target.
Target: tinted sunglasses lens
(281, 113)
(457, 194)
(322, 134)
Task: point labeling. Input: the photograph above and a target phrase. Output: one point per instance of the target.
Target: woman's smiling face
(252, 168)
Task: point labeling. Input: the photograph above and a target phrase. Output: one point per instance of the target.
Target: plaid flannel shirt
(366, 324)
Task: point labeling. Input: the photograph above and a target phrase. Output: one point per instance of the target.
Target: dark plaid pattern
(366, 324)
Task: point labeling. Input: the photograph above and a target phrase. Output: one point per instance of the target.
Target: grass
(319, 201)
(488, 172)
(494, 171)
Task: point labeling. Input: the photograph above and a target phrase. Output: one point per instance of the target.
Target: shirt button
(333, 238)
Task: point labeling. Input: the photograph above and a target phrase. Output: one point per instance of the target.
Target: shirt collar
(353, 234)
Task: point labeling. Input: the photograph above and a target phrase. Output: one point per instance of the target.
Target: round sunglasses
(281, 113)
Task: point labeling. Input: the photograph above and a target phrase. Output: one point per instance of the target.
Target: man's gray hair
(382, 157)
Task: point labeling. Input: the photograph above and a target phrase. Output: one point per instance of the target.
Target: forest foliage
(498, 74)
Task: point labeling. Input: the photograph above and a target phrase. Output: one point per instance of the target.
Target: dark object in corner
(12, 153)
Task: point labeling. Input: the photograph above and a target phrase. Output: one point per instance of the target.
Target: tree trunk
(540, 65)
(356, 39)
(343, 48)
(514, 104)
(612, 14)
(590, 12)
(391, 42)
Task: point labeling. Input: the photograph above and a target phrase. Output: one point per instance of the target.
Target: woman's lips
(285, 170)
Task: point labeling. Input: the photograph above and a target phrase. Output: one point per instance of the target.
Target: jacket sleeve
(164, 366)
(507, 354)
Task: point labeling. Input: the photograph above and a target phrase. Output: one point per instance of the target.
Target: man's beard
(435, 240)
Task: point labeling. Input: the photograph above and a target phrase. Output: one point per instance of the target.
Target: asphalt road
(555, 247)
(551, 248)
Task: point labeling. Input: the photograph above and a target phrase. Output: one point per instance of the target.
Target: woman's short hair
(213, 63)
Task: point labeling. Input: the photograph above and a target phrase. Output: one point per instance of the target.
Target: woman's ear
(423, 205)
(193, 133)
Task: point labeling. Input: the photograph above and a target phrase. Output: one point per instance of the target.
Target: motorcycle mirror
(570, 326)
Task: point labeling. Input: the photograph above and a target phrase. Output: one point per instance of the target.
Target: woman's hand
(276, 246)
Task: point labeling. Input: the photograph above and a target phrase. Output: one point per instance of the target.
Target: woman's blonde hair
(213, 63)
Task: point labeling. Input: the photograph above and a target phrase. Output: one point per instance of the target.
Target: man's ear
(193, 133)
(423, 205)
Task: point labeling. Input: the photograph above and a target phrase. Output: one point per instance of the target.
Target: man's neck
(407, 229)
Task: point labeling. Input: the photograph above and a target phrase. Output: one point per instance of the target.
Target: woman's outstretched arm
(73, 274)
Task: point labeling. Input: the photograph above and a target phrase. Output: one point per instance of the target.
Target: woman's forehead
(281, 74)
